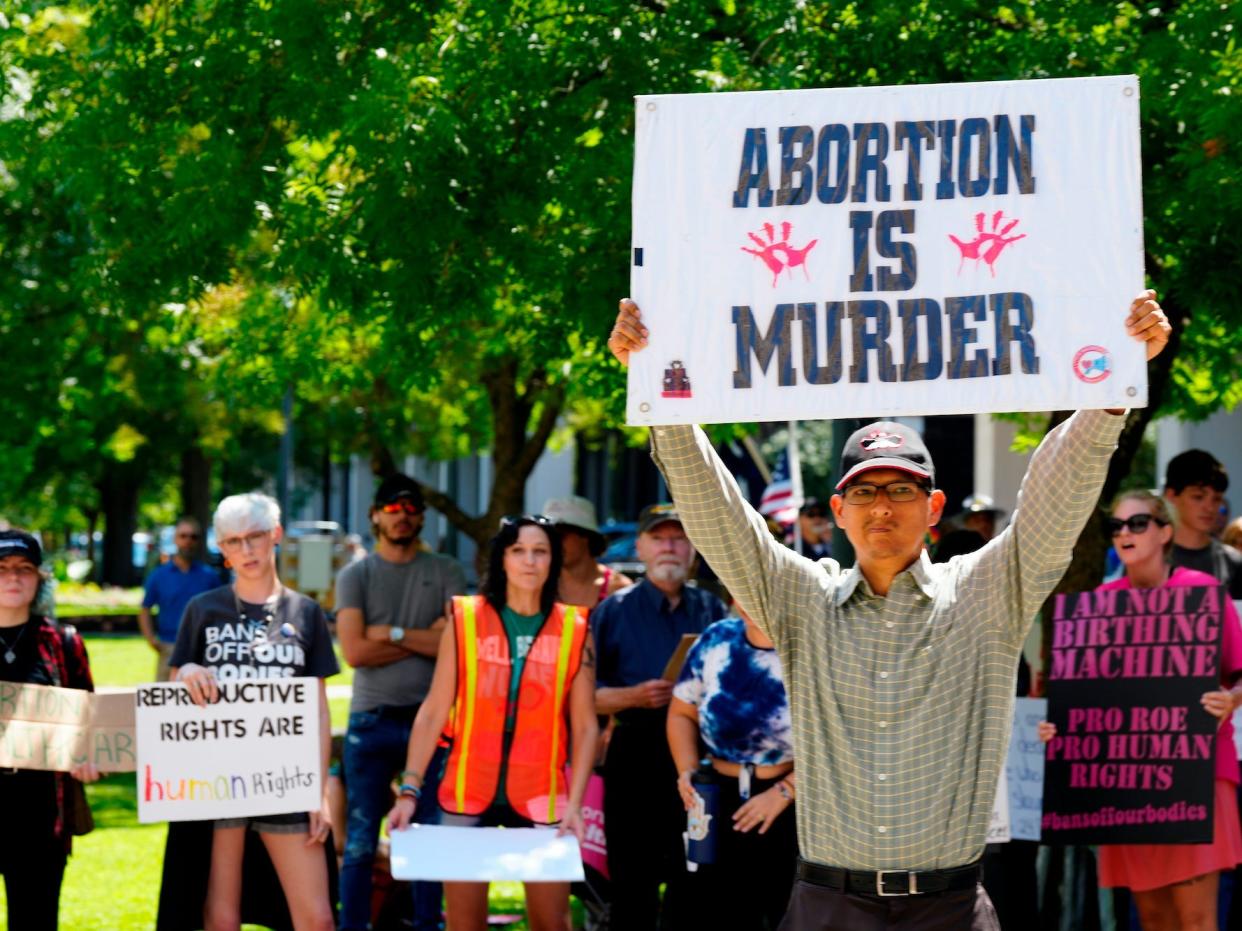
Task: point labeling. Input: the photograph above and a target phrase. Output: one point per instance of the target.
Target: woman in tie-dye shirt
(731, 700)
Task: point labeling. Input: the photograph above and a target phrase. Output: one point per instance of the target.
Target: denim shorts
(297, 822)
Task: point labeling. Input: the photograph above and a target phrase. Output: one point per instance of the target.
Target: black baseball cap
(885, 444)
(398, 486)
(655, 514)
(21, 543)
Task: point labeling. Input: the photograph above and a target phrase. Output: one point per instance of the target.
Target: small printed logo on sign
(1092, 364)
(988, 243)
(779, 254)
(880, 440)
(676, 381)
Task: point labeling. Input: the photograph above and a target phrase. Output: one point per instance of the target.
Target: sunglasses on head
(400, 506)
(510, 519)
(1138, 523)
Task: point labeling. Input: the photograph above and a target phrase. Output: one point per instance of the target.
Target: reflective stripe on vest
(562, 670)
(470, 630)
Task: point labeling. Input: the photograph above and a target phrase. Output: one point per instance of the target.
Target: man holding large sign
(901, 672)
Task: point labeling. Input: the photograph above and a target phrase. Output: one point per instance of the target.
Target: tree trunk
(118, 491)
(517, 445)
(196, 490)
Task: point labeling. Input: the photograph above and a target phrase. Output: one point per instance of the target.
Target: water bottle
(702, 829)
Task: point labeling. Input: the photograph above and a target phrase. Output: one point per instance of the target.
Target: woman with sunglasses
(516, 671)
(1175, 885)
(255, 628)
(34, 650)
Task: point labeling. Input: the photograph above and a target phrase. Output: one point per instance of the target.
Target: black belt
(888, 882)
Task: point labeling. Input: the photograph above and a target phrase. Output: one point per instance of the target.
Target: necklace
(272, 608)
(10, 656)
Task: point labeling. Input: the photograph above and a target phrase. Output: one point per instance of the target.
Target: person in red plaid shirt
(35, 650)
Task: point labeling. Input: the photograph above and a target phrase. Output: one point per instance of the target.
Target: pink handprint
(987, 245)
(789, 256)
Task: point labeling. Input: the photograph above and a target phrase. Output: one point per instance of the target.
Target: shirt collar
(920, 570)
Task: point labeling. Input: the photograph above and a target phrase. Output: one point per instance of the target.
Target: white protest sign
(887, 251)
(451, 854)
(1020, 794)
(998, 829)
(254, 752)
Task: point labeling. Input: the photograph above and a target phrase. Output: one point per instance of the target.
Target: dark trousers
(1012, 884)
(644, 820)
(33, 868)
(748, 886)
(814, 908)
(375, 749)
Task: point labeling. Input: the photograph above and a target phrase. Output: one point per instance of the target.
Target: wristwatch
(396, 634)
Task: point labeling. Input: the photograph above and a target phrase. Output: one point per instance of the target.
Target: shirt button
(883, 724)
(882, 829)
(883, 675)
(888, 624)
(882, 776)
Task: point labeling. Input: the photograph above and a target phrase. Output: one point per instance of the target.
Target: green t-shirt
(521, 630)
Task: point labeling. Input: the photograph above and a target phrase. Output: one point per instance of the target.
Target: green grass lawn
(112, 882)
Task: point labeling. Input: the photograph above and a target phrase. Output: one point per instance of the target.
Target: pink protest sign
(1135, 753)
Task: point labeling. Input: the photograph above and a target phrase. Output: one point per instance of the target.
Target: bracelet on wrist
(409, 791)
(412, 776)
(786, 792)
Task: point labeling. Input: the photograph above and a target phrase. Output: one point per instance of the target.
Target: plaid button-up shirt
(901, 705)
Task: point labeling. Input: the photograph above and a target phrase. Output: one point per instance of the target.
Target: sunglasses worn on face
(1137, 523)
(400, 506)
(900, 492)
(22, 571)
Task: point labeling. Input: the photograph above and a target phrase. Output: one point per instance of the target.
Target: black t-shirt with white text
(246, 645)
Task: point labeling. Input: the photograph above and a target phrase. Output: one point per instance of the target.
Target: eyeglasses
(23, 572)
(400, 506)
(900, 492)
(1136, 523)
(252, 540)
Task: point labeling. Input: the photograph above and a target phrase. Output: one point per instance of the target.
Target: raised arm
(730, 534)
(1060, 492)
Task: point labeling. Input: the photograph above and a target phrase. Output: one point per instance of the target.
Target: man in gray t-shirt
(390, 612)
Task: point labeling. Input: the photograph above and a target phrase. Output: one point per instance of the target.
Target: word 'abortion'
(984, 331)
(972, 158)
(1137, 633)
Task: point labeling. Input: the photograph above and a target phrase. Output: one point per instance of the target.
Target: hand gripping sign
(885, 251)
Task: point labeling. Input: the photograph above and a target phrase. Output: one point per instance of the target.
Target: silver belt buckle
(913, 881)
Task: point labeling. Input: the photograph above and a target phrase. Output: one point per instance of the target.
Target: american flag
(778, 498)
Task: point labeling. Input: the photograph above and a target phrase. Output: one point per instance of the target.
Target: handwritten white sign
(1020, 794)
(451, 854)
(886, 251)
(253, 752)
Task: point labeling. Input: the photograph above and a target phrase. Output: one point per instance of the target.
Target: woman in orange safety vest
(514, 691)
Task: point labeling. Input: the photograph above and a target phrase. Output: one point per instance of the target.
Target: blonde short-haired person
(257, 628)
